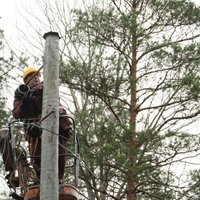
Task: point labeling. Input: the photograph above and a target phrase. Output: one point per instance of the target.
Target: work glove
(26, 100)
(34, 130)
(21, 91)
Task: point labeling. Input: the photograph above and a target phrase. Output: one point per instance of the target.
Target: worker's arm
(17, 111)
(65, 122)
(22, 104)
(28, 105)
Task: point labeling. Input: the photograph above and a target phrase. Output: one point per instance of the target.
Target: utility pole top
(52, 34)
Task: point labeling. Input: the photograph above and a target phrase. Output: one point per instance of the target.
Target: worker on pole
(27, 106)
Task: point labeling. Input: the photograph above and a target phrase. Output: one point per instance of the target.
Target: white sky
(13, 20)
(9, 13)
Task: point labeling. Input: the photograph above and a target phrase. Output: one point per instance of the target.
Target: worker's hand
(27, 97)
(26, 100)
(21, 91)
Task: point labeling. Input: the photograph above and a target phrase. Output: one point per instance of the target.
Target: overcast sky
(13, 17)
(9, 15)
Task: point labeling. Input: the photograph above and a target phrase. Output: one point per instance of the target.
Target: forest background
(130, 77)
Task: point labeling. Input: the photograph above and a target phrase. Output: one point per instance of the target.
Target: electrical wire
(78, 157)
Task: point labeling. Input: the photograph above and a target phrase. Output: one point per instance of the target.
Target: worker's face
(34, 81)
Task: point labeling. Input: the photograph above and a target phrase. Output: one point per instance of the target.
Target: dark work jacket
(33, 109)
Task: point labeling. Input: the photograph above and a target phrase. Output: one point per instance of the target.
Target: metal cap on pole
(49, 156)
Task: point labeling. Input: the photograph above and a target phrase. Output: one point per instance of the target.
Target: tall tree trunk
(131, 184)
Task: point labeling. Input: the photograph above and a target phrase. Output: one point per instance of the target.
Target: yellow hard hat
(30, 70)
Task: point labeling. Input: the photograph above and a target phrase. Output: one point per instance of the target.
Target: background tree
(4, 111)
(3, 70)
(140, 61)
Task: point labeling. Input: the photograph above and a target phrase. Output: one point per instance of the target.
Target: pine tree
(138, 67)
(3, 77)
(4, 114)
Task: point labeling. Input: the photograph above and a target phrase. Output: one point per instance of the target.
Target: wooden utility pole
(50, 123)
